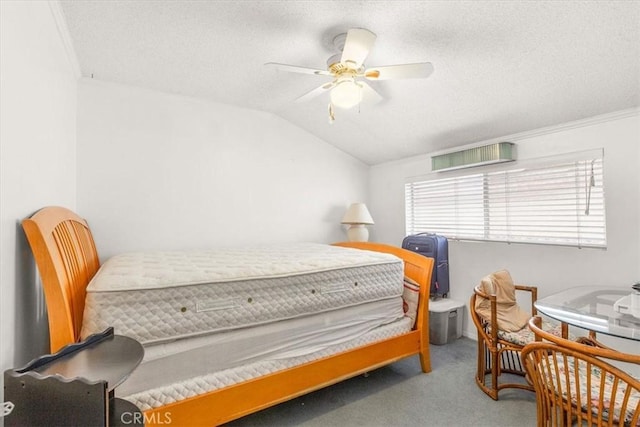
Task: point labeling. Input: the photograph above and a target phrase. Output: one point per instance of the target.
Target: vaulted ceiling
(501, 67)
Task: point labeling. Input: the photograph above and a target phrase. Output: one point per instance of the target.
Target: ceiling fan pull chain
(332, 117)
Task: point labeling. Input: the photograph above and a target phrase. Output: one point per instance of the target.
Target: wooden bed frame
(67, 259)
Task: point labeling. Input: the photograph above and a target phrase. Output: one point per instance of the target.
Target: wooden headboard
(67, 259)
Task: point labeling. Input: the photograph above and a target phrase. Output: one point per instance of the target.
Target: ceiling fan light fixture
(346, 94)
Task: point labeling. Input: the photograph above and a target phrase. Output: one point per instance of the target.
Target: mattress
(194, 383)
(202, 355)
(160, 296)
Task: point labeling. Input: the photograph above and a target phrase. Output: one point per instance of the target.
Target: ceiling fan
(348, 89)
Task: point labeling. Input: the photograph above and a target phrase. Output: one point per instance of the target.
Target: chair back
(577, 383)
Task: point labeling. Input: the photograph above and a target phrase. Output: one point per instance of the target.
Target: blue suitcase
(436, 247)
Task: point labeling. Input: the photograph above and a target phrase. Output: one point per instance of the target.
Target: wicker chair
(499, 351)
(580, 384)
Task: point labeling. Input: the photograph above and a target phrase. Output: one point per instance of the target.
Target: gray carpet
(401, 395)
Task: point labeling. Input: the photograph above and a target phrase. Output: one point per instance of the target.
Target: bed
(66, 256)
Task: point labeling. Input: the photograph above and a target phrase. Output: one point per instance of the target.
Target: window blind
(556, 203)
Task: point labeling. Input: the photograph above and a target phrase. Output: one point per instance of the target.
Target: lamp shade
(357, 214)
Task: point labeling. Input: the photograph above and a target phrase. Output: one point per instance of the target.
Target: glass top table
(592, 308)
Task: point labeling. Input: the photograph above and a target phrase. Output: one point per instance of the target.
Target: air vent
(478, 156)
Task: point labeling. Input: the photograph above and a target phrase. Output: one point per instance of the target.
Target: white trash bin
(445, 321)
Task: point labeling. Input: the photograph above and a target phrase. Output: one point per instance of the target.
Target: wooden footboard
(229, 403)
(65, 253)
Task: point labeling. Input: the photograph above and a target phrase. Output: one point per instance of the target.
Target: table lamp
(357, 217)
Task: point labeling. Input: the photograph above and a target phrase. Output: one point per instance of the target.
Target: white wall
(549, 268)
(37, 161)
(160, 171)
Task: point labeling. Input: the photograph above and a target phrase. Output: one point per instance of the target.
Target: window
(556, 202)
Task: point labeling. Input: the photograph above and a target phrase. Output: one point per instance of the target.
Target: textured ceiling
(500, 67)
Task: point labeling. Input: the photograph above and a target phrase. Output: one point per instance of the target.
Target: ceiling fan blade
(357, 46)
(420, 70)
(315, 92)
(369, 95)
(297, 69)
